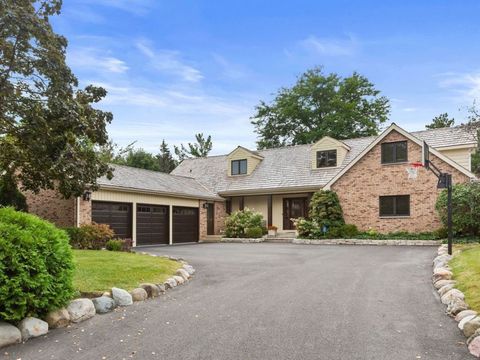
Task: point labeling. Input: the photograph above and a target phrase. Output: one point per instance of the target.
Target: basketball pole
(449, 213)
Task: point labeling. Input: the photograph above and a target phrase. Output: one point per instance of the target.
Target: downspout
(78, 212)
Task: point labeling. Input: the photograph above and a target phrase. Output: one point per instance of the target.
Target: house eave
(271, 191)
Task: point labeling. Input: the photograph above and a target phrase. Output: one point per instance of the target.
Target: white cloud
(169, 62)
(92, 59)
(410, 109)
(230, 69)
(135, 7)
(330, 46)
(465, 85)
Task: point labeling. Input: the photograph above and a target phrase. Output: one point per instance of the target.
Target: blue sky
(175, 68)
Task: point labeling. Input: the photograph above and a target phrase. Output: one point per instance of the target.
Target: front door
(293, 208)
(210, 219)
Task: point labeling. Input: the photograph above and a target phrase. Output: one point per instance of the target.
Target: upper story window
(397, 205)
(326, 158)
(394, 152)
(239, 167)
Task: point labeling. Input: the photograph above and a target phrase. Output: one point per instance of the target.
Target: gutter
(160, 193)
(267, 191)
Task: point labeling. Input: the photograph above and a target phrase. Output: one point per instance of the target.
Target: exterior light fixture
(87, 196)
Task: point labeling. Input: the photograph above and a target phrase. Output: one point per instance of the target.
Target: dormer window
(239, 167)
(326, 158)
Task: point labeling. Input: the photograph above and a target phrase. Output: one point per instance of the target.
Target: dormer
(241, 162)
(328, 153)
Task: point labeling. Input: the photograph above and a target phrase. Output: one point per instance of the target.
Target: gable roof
(290, 169)
(126, 178)
(254, 154)
(333, 141)
(407, 135)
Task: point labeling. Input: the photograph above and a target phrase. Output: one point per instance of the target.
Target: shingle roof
(129, 178)
(290, 167)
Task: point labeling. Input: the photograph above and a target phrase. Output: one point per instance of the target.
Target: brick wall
(85, 212)
(219, 220)
(359, 190)
(220, 215)
(49, 205)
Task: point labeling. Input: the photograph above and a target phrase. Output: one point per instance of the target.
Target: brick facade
(51, 206)
(361, 186)
(85, 213)
(219, 218)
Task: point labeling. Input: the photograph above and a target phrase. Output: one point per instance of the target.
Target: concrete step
(212, 238)
(283, 235)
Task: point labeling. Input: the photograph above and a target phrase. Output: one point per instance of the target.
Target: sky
(176, 68)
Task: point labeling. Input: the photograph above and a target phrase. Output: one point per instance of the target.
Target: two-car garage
(149, 224)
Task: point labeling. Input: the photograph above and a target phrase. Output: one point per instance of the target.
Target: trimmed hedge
(237, 223)
(36, 266)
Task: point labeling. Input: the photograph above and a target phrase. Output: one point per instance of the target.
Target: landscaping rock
(189, 269)
(441, 274)
(139, 294)
(476, 334)
(151, 289)
(179, 279)
(456, 306)
(466, 319)
(121, 297)
(451, 295)
(103, 304)
(161, 288)
(441, 283)
(31, 327)
(441, 259)
(474, 347)
(170, 283)
(444, 289)
(58, 318)
(9, 334)
(80, 310)
(183, 273)
(471, 326)
(464, 314)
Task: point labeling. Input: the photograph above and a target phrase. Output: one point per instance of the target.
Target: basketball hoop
(412, 170)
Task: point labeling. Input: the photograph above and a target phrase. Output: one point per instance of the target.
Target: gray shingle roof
(129, 178)
(290, 167)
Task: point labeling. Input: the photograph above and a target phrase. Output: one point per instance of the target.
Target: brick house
(190, 204)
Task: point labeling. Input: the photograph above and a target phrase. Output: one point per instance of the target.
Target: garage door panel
(185, 224)
(117, 215)
(152, 224)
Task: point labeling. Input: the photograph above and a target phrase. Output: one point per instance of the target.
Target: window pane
(243, 166)
(321, 159)
(403, 205)
(387, 153)
(235, 167)
(387, 205)
(401, 151)
(332, 158)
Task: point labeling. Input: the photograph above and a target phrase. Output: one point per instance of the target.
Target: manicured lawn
(466, 270)
(102, 270)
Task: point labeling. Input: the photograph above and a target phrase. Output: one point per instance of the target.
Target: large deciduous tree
(49, 130)
(318, 105)
(441, 121)
(473, 125)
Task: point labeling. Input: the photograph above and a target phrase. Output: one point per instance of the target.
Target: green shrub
(441, 233)
(90, 237)
(325, 209)
(239, 221)
(308, 229)
(465, 208)
(36, 266)
(254, 232)
(349, 231)
(114, 245)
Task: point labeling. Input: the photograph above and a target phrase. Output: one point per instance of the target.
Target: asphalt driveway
(275, 301)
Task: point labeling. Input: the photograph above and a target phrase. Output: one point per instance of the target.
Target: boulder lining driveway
(275, 301)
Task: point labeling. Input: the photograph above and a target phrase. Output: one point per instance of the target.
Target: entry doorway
(293, 208)
(210, 219)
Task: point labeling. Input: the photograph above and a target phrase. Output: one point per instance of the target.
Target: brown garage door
(185, 224)
(117, 215)
(152, 224)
